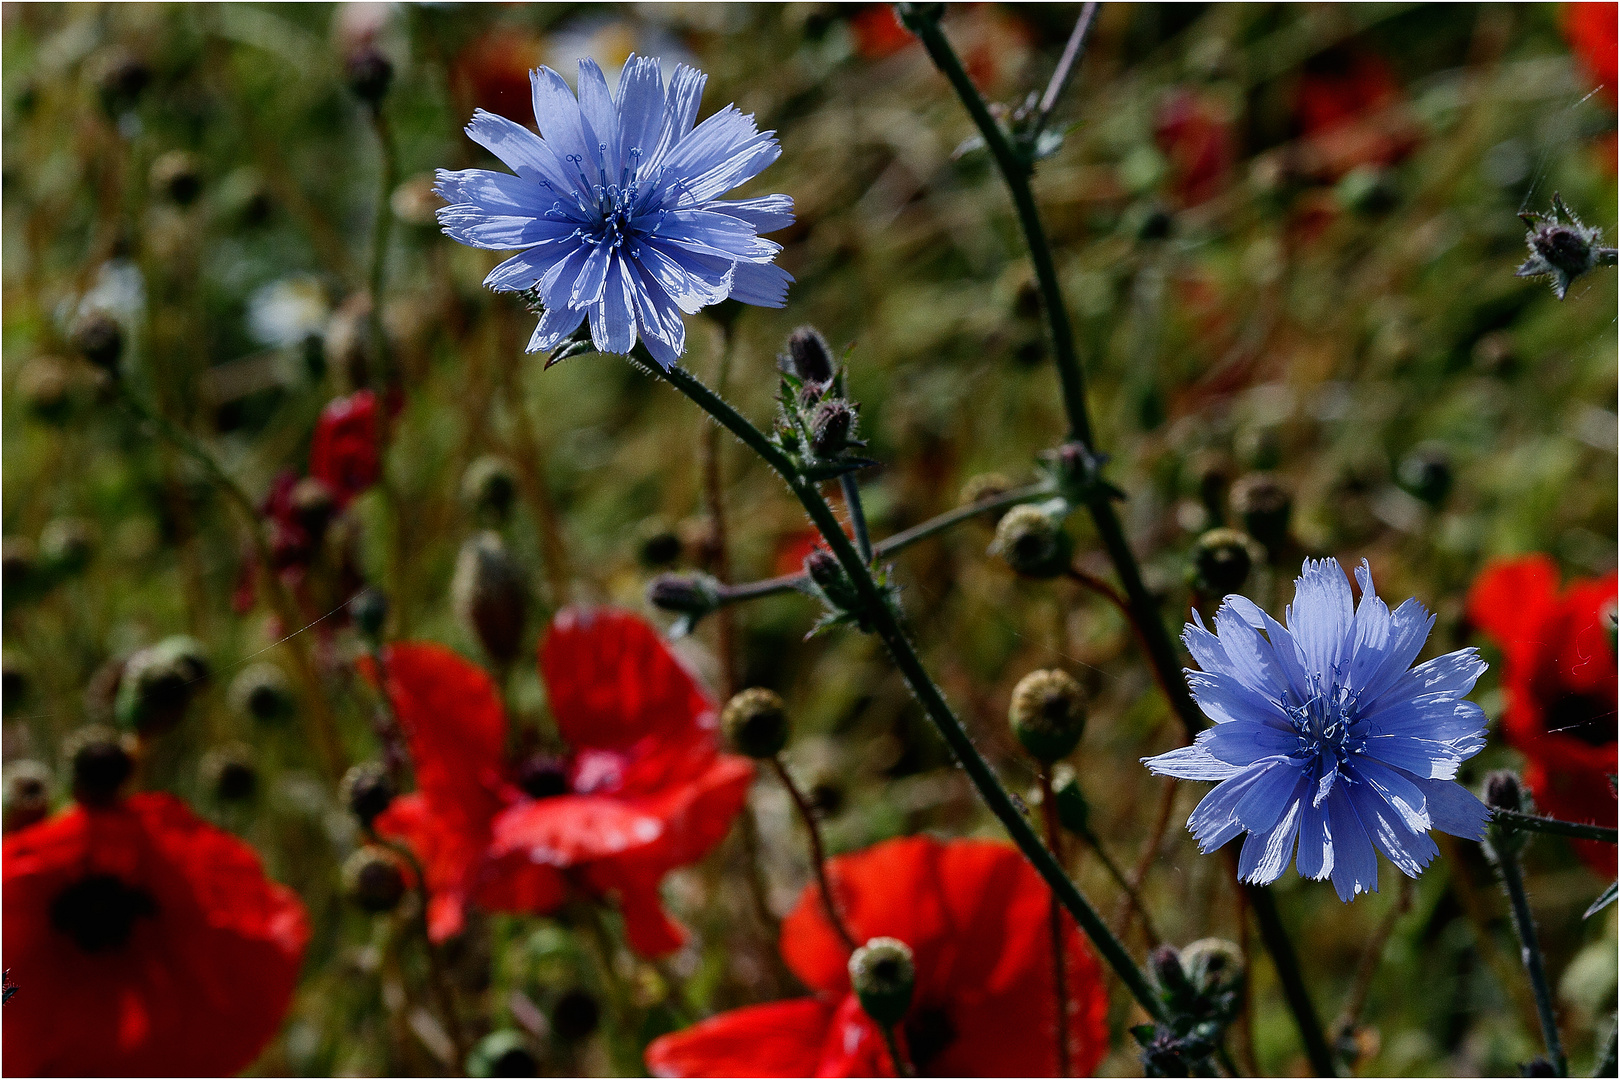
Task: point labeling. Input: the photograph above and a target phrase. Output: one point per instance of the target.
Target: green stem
(1517, 822)
(1507, 868)
(1060, 974)
(818, 853)
(1293, 983)
(900, 1066)
(887, 626)
(857, 514)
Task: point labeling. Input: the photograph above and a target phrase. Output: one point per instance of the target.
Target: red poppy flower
(1346, 105)
(878, 33)
(143, 942)
(343, 453)
(1558, 672)
(975, 915)
(643, 790)
(1197, 138)
(1592, 30)
(492, 72)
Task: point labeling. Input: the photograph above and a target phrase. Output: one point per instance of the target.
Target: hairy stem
(1524, 924)
(818, 854)
(857, 515)
(1517, 822)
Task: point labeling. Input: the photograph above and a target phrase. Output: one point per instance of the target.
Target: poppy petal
(783, 1038)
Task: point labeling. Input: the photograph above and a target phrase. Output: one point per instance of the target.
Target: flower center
(1323, 724)
(99, 912)
(542, 776)
(609, 203)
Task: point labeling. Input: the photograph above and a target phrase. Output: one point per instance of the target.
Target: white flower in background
(288, 311)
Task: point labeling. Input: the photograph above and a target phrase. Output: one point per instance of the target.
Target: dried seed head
(1221, 561)
(1031, 542)
(1264, 504)
(367, 790)
(374, 879)
(262, 693)
(883, 974)
(755, 722)
(1048, 714)
(1213, 965)
(158, 684)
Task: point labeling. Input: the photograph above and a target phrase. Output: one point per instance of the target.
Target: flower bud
(811, 359)
(158, 684)
(369, 74)
(503, 1053)
(684, 594)
(983, 488)
(1032, 542)
(1214, 966)
(489, 487)
(831, 427)
(827, 574)
(755, 722)
(1072, 808)
(1426, 473)
(883, 974)
(1263, 503)
(374, 879)
(1221, 561)
(543, 776)
(262, 693)
(1504, 791)
(369, 609)
(228, 772)
(120, 76)
(367, 790)
(1562, 250)
(101, 762)
(575, 1015)
(1165, 964)
(490, 597)
(99, 339)
(1048, 714)
(27, 794)
(176, 177)
(64, 545)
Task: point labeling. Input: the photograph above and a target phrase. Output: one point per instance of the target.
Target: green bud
(1214, 966)
(883, 974)
(374, 879)
(1048, 714)
(1032, 542)
(755, 722)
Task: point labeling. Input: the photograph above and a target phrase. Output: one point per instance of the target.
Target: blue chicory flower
(615, 207)
(1322, 734)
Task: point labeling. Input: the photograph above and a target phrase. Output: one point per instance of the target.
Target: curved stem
(1515, 821)
(1065, 68)
(887, 625)
(1132, 897)
(443, 996)
(1507, 868)
(818, 854)
(1060, 974)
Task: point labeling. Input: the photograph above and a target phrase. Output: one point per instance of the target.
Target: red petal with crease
(565, 830)
(783, 1038)
(455, 726)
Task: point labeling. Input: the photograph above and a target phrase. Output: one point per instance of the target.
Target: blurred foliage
(1254, 288)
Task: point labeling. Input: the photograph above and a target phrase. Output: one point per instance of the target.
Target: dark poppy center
(1587, 717)
(542, 776)
(99, 912)
(928, 1033)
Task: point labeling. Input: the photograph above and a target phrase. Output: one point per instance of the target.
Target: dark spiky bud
(755, 722)
(1072, 809)
(810, 357)
(27, 794)
(488, 488)
(64, 546)
(158, 685)
(503, 1053)
(262, 693)
(1426, 473)
(367, 790)
(1504, 791)
(374, 879)
(575, 1016)
(831, 427)
(883, 974)
(97, 337)
(1263, 504)
(829, 578)
(684, 594)
(490, 596)
(369, 74)
(176, 177)
(1221, 562)
(313, 506)
(369, 609)
(543, 776)
(101, 761)
(1561, 248)
(229, 774)
(1032, 542)
(1048, 714)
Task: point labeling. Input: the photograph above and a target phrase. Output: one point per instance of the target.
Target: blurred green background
(1287, 234)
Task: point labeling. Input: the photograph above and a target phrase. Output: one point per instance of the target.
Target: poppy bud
(1214, 966)
(65, 545)
(503, 1053)
(1221, 561)
(883, 975)
(175, 176)
(367, 790)
(228, 772)
(490, 597)
(1072, 808)
(488, 487)
(831, 426)
(1426, 473)
(262, 693)
(99, 339)
(1048, 714)
(313, 504)
(374, 879)
(101, 763)
(684, 594)
(369, 74)
(1031, 542)
(543, 776)
(158, 684)
(1263, 504)
(983, 488)
(811, 359)
(27, 795)
(575, 1016)
(369, 609)
(1504, 791)
(755, 722)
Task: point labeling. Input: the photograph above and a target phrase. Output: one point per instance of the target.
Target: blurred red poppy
(492, 72)
(143, 942)
(878, 32)
(1347, 105)
(644, 788)
(1592, 30)
(1195, 135)
(343, 453)
(1558, 672)
(975, 915)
